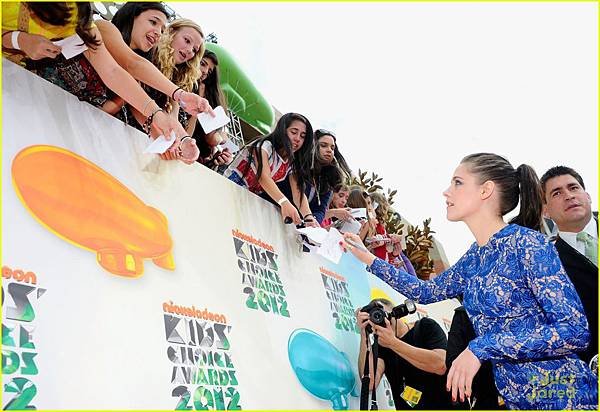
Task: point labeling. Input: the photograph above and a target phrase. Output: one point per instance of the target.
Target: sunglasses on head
(322, 132)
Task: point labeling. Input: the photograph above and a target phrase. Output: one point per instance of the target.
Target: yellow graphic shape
(377, 293)
(84, 205)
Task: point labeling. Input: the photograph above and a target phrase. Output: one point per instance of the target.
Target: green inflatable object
(243, 98)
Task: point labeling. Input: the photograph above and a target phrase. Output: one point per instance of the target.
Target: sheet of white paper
(233, 148)
(358, 213)
(351, 226)
(330, 248)
(71, 46)
(315, 234)
(160, 144)
(210, 123)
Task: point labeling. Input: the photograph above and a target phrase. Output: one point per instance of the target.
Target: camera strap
(375, 350)
(364, 390)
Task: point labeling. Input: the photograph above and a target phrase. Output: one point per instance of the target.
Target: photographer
(413, 359)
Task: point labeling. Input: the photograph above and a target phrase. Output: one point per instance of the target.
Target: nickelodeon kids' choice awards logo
(342, 310)
(262, 286)
(203, 374)
(20, 295)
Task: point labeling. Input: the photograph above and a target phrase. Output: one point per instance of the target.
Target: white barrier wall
(231, 316)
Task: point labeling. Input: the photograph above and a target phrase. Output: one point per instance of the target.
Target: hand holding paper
(71, 46)
(210, 123)
(160, 144)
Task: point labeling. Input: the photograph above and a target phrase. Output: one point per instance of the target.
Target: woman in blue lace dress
(526, 313)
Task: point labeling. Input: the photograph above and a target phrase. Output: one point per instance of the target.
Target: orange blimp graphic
(81, 203)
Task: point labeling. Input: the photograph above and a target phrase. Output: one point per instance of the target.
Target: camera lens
(377, 316)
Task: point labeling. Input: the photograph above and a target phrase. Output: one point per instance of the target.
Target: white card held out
(210, 123)
(71, 46)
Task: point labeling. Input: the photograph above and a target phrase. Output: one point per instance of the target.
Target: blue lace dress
(526, 313)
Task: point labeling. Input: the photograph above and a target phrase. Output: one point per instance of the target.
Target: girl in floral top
(283, 154)
(526, 313)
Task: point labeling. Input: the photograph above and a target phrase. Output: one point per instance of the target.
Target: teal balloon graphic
(323, 370)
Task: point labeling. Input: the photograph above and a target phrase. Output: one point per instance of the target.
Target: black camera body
(377, 313)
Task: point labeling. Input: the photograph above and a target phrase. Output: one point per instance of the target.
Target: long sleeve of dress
(444, 286)
(563, 327)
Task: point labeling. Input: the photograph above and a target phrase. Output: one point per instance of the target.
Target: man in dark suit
(570, 207)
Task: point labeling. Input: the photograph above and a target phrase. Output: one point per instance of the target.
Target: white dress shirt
(571, 238)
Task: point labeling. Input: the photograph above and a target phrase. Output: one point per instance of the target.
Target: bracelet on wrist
(146, 104)
(281, 201)
(148, 123)
(175, 91)
(14, 39)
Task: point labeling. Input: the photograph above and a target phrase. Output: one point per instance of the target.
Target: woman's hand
(223, 158)
(342, 214)
(289, 210)
(460, 376)
(194, 104)
(165, 125)
(37, 47)
(349, 242)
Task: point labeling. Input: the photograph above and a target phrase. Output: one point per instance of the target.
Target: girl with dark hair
(285, 153)
(527, 316)
(337, 209)
(27, 31)
(209, 87)
(328, 170)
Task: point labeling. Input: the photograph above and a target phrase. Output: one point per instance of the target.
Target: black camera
(377, 313)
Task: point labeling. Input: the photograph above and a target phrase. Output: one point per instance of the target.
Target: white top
(571, 238)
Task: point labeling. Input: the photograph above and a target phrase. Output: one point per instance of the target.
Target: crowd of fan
(154, 73)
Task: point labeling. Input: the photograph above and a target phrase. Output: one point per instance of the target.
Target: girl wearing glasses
(527, 316)
(283, 154)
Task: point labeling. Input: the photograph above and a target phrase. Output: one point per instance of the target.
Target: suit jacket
(584, 275)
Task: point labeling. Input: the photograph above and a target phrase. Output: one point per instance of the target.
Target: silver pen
(354, 244)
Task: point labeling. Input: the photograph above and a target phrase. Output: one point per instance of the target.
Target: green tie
(591, 246)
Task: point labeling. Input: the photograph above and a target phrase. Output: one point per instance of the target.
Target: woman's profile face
(186, 44)
(463, 195)
(147, 28)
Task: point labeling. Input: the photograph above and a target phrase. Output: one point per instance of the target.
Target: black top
(426, 334)
(484, 392)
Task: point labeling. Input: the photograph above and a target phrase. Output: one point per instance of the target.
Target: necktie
(591, 246)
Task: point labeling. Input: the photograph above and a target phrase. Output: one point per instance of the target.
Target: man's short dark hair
(559, 171)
